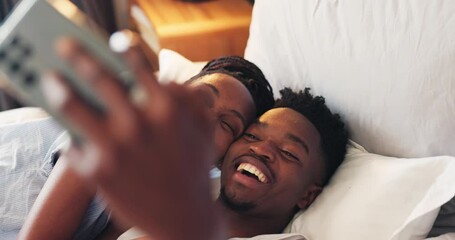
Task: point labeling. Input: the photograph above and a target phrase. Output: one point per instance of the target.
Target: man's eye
(290, 155)
(250, 136)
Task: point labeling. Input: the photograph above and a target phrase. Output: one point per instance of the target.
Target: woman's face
(231, 107)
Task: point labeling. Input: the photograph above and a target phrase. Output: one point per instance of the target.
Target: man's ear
(310, 195)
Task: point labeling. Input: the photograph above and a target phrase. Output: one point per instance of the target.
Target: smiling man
(280, 164)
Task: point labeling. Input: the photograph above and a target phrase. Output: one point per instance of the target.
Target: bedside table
(198, 31)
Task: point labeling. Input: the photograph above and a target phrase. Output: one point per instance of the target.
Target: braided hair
(248, 74)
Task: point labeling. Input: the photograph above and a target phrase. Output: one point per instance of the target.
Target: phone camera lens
(30, 79)
(26, 51)
(14, 67)
(3, 55)
(15, 41)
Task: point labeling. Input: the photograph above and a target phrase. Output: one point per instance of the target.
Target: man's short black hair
(248, 74)
(334, 136)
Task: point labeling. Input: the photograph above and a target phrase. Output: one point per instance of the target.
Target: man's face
(231, 107)
(274, 167)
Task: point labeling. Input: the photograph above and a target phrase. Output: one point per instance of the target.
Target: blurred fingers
(193, 117)
(74, 109)
(111, 91)
(90, 162)
(141, 60)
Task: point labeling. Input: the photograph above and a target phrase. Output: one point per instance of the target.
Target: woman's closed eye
(231, 124)
(231, 128)
(227, 126)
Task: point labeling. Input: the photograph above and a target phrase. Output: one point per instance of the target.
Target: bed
(388, 67)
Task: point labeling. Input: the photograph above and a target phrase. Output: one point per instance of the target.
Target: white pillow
(387, 66)
(20, 115)
(377, 197)
(175, 67)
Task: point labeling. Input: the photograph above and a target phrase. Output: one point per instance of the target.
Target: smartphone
(27, 43)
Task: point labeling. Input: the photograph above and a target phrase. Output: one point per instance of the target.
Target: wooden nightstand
(198, 31)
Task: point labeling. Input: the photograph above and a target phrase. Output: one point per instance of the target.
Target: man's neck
(241, 224)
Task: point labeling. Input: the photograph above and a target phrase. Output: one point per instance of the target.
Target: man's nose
(266, 150)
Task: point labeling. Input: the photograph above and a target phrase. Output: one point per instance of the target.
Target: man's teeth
(253, 170)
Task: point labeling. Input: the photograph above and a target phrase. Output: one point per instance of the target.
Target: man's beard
(234, 205)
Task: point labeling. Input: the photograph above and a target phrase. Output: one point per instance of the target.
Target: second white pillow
(377, 197)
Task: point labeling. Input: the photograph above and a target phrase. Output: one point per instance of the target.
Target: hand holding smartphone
(27, 52)
(143, 155)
